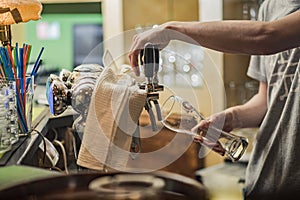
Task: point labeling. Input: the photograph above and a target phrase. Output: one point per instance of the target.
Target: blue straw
(3, 60)
(37, 63)
(22, 117)
(36, 66)
(34, 71)
(18, 61)
(7, 67)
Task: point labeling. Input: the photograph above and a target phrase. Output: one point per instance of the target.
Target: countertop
(18, 174)
(14, 168)
(224, 181)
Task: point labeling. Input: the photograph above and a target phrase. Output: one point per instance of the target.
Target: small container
(19, 104)
(5, 142)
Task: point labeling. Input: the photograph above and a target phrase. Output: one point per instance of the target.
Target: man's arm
(243, 36)
(233, 36)
(247, 115)
(251, 113)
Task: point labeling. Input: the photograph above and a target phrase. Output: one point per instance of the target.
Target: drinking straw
(34, 71)
(2, 62)
(25, 57)
(19, 85)
(6, 62)
(28, 56)
(36, 64)
(13, 66)
(22, 117)
(21, 62)
(9, 65)
(12, 60)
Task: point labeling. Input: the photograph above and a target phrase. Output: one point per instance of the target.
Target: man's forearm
(246, 117)
(243, 36)
(250, 114)
(218, 34)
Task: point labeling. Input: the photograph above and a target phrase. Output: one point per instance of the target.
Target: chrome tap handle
(148, 107)
(149, 58)
(158, 111)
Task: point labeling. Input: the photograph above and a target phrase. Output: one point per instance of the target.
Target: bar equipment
(180, 116)
(73, 89)
(149, 58)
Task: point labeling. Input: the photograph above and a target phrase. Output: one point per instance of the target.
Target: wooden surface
(151, 141)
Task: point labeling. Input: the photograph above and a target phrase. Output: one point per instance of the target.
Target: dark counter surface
(18, 174)
(15, 165)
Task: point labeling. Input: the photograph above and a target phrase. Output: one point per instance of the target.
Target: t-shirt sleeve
(256, 69)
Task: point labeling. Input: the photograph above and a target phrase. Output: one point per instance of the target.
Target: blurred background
(70, 29)
(74, 32)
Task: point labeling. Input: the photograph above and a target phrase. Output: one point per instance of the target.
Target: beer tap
(149, 58)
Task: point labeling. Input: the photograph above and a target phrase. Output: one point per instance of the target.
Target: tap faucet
(149, 58)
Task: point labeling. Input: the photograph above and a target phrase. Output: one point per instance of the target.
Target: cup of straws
(16, 92)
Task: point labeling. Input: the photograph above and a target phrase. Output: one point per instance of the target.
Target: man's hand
(158, 36)
(222, 121)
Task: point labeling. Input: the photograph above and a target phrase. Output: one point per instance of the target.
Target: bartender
(273, 41)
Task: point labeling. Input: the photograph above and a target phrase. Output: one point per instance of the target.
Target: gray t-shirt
(274, 166)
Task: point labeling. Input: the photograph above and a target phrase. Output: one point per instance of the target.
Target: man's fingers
(133, 57)
(136, 71)
(198, 138)
(204, 124)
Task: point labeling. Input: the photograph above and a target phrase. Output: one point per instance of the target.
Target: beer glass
(180, 116)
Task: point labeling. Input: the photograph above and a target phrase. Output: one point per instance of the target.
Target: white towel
(115, 108)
